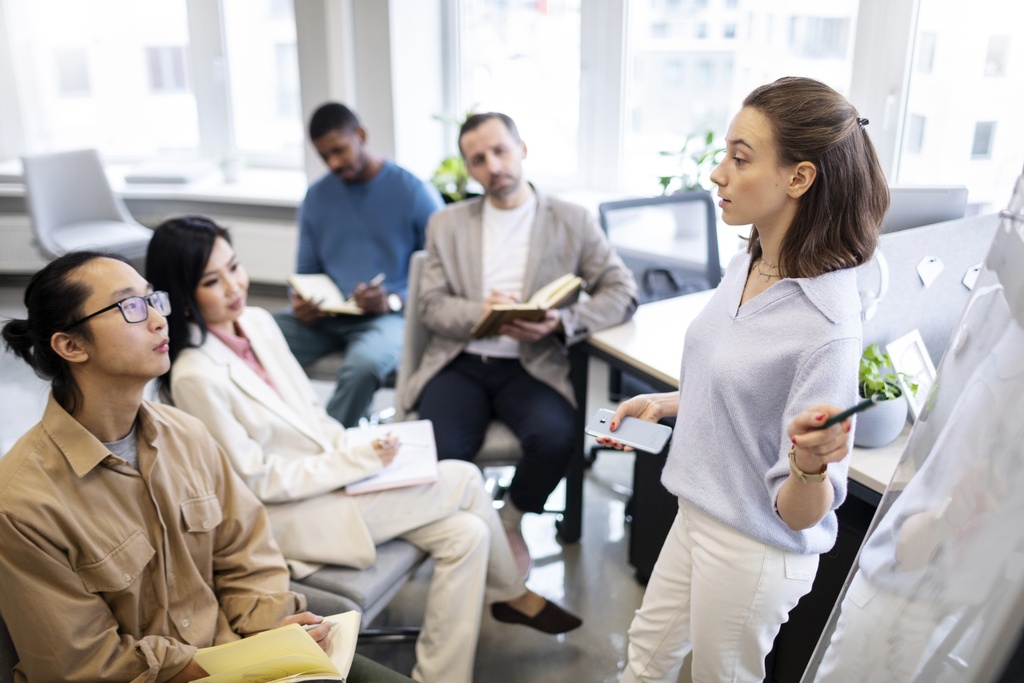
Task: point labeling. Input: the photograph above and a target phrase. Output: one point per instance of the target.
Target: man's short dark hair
(332, 116)
(474, 121)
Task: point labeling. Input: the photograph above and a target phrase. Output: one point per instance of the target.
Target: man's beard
(506, 190)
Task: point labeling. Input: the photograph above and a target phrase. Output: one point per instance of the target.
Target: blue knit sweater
(746, 372)
(352, 232)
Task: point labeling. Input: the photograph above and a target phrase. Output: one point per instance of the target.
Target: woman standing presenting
(231, 368)
(771, 357)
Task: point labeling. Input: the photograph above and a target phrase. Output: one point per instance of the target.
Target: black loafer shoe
(551, 619)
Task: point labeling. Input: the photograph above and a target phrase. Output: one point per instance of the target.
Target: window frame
(206, 73)
(884, 37)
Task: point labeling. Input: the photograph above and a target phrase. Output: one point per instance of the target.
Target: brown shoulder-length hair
(839, 218)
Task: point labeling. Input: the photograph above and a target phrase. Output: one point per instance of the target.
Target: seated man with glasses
(126, 540)
(135, 309)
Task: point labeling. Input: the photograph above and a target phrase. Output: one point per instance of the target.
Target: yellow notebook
(321, 288)
(555, 294)
(284, 654)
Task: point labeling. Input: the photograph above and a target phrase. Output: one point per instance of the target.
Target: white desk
(650, 346)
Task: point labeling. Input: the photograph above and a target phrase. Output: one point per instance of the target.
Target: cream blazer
(282, 443)
(564, 238)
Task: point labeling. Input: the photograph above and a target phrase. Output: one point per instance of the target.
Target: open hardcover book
(321, 288)
(415, 463)
(555, 294)
(284, 654)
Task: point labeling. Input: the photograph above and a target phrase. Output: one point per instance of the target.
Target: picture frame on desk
(913, 365)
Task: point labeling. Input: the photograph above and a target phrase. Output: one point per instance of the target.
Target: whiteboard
(937, 590)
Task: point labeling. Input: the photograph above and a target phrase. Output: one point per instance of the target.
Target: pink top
(243, 349)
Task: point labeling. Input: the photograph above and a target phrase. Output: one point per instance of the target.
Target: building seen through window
(117, 75)
(523, 59)
(971, 60)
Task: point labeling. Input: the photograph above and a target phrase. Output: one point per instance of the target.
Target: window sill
(254, 187)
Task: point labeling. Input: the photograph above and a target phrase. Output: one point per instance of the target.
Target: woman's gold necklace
(768, 277)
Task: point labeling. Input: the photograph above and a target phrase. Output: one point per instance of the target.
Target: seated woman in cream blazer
(232, 368)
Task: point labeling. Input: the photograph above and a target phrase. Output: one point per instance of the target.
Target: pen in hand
(375, 281)
(839, 417)
(310, 627)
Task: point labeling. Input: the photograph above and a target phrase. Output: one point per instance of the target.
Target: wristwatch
(395, 302)
(805, 477)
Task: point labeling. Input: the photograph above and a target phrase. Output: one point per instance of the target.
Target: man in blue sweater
(359, 224)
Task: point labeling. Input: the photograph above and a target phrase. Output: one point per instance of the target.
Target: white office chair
(73, 207)
(500, 446)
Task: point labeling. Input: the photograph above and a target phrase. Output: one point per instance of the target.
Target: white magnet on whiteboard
(928, 269)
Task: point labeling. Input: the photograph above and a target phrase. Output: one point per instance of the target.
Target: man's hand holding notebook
(555, 294)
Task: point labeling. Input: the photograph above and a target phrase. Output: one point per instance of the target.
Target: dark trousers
(469, 392)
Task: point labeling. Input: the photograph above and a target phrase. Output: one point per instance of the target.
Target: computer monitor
(911, 206)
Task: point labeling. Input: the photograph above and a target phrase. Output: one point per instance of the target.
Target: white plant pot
(880, 425)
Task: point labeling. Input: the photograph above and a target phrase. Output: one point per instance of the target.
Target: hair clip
(862, 122)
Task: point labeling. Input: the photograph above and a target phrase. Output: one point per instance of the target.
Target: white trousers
(454, 521)
(716, 592)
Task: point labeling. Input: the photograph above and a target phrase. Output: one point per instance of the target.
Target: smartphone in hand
(640, 434)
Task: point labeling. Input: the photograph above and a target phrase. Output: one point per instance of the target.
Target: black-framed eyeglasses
(134, 309)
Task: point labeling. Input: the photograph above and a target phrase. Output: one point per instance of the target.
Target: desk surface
(652, 344)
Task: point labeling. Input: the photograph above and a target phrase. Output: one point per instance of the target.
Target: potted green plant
(697, 159)
(694, 162)
(880, 425)
(451, 177)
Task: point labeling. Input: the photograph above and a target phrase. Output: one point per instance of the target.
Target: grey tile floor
(592, 578)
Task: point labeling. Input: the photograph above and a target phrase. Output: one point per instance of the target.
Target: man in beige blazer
(502, 248)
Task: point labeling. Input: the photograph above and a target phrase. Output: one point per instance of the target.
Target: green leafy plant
(451, 177)
(877, 375)
(697, 159)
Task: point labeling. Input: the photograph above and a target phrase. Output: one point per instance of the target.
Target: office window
(984, 132)
(964, 110)
(102, 63)
(674, 73)
(523, 59)
(729, 30)
(820, 37)
(263, 77)
(167, 71)
(705, 72)
(996, 55)
(701, 31)
(286, 81)
(136, 89)
(925, 58)
(915, 134)
(659, 117)
(72, 65)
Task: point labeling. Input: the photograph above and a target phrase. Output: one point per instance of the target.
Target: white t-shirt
(506, 246)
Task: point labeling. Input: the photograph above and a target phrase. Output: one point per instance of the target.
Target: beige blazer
(282, 443)
(565, 238)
